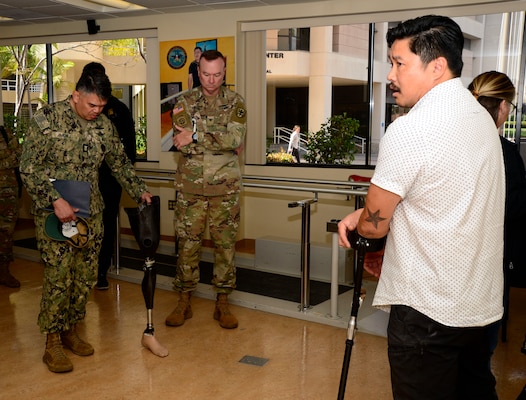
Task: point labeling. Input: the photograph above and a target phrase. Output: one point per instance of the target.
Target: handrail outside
(281, 133)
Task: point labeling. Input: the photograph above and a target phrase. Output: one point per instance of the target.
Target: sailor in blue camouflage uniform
(9, 157)
(210, 125)
(69, 140)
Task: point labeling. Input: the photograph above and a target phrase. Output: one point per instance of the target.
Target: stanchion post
(305, 256)
(332, 226)
(305, 250)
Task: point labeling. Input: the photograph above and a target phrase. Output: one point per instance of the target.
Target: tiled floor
(303, 358)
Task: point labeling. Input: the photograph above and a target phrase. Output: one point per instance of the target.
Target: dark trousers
(432, 361)
(296, 154)
(111, 193)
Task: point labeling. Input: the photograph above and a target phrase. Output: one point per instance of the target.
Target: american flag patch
(178, 109)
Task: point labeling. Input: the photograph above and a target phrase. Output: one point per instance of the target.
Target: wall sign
(176, 57)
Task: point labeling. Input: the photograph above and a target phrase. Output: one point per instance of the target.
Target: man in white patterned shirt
(438, 193)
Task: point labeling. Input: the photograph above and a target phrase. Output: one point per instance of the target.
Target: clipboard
(76, 193)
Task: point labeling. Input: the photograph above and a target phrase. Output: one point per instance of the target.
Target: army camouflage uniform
(9, 157)
(208, 181)
(60, 145)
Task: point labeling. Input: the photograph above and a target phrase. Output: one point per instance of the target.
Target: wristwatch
(194, 137)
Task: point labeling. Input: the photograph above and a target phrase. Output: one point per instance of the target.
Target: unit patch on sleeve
(181, 117)
(240, 114)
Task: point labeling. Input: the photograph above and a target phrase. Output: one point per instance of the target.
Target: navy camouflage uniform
(61, 145)
(208, 182)
(10, 151)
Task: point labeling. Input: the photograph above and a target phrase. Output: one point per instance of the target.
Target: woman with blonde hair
(495, 91)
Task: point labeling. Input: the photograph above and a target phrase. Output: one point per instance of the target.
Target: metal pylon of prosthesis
(148, 290)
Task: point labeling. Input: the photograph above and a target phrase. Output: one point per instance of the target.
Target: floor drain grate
(258, 361)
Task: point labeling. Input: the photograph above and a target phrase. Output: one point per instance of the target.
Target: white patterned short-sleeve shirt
(443, 255)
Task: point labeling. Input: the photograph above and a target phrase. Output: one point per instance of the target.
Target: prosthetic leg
(361, 245)
(145, 225)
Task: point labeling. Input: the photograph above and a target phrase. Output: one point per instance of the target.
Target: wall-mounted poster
(207, 44)
(176, 57)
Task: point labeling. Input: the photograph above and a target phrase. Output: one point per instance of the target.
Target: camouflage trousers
(191, 216)
(69, 275)
(8, 217)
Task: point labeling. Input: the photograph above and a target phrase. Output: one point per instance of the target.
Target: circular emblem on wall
(176, 57)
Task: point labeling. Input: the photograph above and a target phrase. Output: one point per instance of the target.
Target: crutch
(361, 245)
(145, 225)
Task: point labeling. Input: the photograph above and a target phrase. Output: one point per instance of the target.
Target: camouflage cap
(75, 233)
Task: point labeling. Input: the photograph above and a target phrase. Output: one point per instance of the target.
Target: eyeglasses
(513, 108)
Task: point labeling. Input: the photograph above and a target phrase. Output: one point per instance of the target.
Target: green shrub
(333, 143)
(140, 137)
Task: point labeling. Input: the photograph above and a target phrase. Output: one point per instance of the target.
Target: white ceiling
(25, 12)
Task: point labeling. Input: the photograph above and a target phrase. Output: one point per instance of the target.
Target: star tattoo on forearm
(374, 218)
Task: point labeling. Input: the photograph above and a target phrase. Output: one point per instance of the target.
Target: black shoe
(523, 348)
(102, 284)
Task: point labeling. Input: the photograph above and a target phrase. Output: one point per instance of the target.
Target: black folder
(76, 193)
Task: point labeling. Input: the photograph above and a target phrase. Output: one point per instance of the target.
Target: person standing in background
(294, 143)
(210, 125)
(438, 193)
(193, 73)
(68, 141)
(495, 91)
(119, 114)
(10, 151)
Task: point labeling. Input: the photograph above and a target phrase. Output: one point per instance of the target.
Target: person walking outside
(438, 193)
(294, 143)
(209, 125)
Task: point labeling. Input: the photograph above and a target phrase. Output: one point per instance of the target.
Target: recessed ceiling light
(102, 5)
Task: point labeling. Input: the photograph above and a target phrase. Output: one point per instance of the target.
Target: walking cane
(361, 245)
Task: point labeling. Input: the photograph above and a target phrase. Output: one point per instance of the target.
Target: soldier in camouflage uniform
(209, 125)
(9, 157)
(69, 140)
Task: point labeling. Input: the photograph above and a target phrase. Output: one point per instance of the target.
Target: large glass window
(331, 78)
(25, 78)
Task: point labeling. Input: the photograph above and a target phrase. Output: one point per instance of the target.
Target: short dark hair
(432, 36)
(198, 48)
(211, 55)
(94, 66)
(96, 82)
